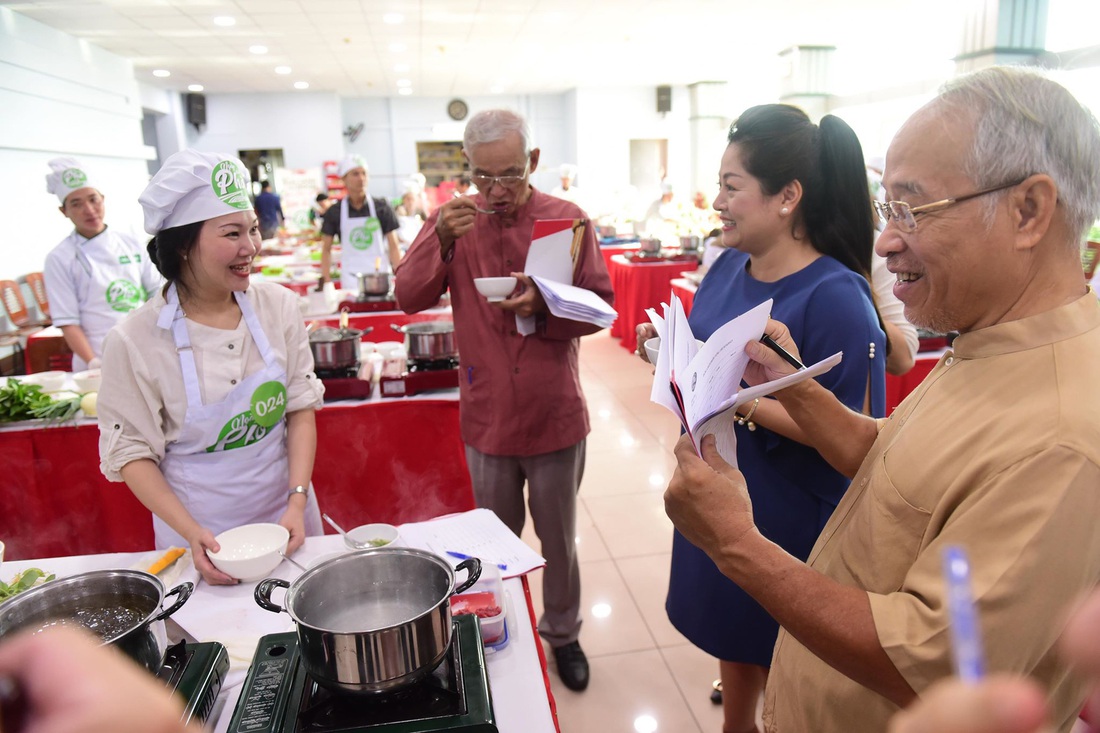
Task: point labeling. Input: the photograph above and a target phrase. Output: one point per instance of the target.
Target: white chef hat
(193, 186)
(568, 170)
(66, 175)
(350, 163)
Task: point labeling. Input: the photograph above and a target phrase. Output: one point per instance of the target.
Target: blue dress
(827, 309)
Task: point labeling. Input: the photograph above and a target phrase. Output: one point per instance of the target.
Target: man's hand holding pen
(766, 362)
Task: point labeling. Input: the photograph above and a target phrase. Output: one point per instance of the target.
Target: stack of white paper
(578, 304)
(702, 384)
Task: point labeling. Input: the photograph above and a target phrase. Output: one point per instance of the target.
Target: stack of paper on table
(555, 246)
(478, 533)
(702, 384)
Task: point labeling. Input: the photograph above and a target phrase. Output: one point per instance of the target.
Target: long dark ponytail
(780, 144)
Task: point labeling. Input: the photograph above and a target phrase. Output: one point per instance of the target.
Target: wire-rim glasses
(905, 215)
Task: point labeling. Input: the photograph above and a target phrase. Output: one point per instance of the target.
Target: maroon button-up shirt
(518, 396)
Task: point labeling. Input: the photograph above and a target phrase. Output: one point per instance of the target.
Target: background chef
(206, 409)
(96, 275)
(367, 228)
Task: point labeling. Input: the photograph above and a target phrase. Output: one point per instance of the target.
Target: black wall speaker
(664, 99)
(196, 109)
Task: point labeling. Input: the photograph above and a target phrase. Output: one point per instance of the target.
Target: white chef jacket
(78, 274)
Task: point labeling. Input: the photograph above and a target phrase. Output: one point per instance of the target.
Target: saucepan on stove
(122, 607)
(429, 340)
(374, 620)
(373, 283)
(336, 348)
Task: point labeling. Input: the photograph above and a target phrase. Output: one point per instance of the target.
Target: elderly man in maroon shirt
(522, 412)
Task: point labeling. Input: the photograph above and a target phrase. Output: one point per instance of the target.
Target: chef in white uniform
(207, 404)
(367, 228)
(96, 275)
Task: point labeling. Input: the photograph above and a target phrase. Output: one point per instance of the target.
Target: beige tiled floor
(645, 675)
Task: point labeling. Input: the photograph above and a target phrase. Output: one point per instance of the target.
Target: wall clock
(457, 109)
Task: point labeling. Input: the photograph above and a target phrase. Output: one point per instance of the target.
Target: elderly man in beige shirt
(991, 186)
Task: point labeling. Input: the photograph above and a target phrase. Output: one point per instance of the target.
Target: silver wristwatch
(303, 490)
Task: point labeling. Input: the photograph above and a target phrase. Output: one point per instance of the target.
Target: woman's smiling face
(221, 259)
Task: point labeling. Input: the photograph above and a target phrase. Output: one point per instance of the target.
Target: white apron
(362, 246)
(113, 287)
(229, 465)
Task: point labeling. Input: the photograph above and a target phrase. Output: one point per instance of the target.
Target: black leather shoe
(572, 665)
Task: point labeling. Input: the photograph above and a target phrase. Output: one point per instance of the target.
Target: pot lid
(328, 334)
(430, 327)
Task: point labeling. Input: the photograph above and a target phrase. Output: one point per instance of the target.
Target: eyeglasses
(905, 215)
(485, 183)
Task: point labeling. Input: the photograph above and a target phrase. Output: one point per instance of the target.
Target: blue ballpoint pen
(464, 556)
(966, 639)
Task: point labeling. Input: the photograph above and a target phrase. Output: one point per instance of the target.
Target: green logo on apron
(239, 432)
(362, 237)
(74, 178)
(123, 296)
(230, 184)
(269, 403)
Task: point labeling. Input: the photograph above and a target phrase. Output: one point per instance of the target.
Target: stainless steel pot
(650, 246)
(335, 348)
(373, 620)
(691, 243)
(121, 607)
(373, 283)
(429, 340)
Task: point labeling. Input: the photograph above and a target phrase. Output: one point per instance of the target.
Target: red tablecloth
(611, 250)
(898, 388)
(637, 286)
(383, 461)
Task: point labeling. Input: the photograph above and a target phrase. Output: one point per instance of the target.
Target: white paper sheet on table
(478, 533)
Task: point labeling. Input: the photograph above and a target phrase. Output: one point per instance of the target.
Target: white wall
(62, 96)
(305, 125)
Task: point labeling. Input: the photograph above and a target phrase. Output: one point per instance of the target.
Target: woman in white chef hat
(96, 275)
(206, 409)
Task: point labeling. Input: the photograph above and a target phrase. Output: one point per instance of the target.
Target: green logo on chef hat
(269, 403)
(73, 178)
(123, 296)
(363, 237)
(230, 184)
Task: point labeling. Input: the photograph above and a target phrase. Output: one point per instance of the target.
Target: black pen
(771, 344)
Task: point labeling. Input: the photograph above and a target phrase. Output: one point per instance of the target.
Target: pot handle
(368, 329)
(472, 565)
(263, 594)
(182, 592)
(397, 328)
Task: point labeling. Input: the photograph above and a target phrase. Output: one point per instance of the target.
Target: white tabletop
(229, 614)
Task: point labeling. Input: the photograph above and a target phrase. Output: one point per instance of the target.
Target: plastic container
(486, 600)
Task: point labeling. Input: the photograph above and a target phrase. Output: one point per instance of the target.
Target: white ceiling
(480, 47)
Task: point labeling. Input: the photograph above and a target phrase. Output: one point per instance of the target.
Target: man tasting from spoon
(522, 413)
(991, 187)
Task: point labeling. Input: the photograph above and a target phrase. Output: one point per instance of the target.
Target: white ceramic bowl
(251, 551)
(87, 381)
(372, 533)
(495, 289)
(49, 381)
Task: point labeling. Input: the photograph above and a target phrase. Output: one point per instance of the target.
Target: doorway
(261, 165)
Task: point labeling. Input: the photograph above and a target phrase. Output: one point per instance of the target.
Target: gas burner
(370, 304)
(195, 671)
(348, 372)
(279, 696)
(433, 365)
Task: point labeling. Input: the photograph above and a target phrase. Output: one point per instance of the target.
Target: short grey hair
(1028, 124)
(495, 124)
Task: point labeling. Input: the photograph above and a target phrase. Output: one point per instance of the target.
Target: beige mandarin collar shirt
(997, 450)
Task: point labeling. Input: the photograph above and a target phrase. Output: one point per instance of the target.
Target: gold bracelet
(747, 418)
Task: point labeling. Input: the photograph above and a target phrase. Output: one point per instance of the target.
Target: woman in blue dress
(796, 219)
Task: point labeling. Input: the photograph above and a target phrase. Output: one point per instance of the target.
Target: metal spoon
(355, 543)
(293, 562)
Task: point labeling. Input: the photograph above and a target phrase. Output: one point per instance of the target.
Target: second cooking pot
(373, 283)
(429, 340)
(121, 607)
(335, 348)
(373, 620)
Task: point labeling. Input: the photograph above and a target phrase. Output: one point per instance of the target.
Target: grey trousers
(553, 480)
